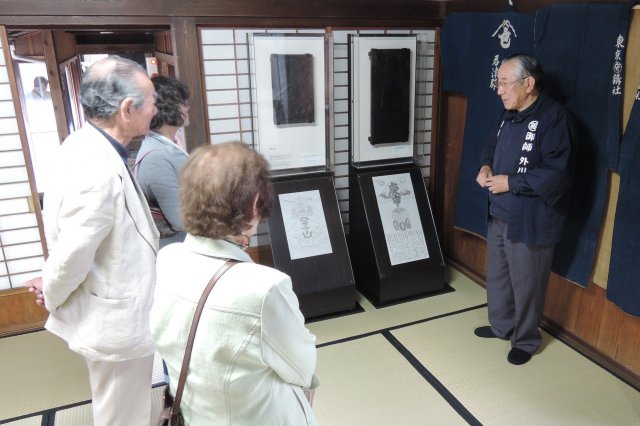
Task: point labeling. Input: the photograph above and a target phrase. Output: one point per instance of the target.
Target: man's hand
(484, 173)
(35, 287)
(497, 184)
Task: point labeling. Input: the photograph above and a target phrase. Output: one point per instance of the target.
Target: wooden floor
(415, 363)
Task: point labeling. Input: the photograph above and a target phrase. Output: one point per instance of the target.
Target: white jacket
(252, 353)
(98, 279)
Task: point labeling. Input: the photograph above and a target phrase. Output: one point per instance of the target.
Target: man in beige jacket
(98, 280)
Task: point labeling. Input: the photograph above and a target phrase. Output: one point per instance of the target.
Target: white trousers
(121, 392)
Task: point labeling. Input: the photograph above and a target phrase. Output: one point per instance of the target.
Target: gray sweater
(157, 168)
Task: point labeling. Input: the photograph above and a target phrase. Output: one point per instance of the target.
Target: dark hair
(40, 81)
(170, 94)
(528, 66)
(107, 82)
(218, 184)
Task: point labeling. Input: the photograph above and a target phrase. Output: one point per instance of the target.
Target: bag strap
(137, 163)
(192, 333)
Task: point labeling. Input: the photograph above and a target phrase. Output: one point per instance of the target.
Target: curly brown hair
(218, 184)
(170, 94)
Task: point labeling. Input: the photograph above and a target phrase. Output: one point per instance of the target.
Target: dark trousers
(517, 277)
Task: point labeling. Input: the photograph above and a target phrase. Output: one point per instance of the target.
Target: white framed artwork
(289, 79)
(382, 82)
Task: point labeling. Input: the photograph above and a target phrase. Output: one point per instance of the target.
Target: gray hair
(527, 66)
(107, 83)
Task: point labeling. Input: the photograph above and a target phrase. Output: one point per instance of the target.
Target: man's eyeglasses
(503, 84)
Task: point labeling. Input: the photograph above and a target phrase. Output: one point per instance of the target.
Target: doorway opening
(49, 64)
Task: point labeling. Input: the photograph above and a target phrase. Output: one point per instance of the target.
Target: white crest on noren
(504, 32)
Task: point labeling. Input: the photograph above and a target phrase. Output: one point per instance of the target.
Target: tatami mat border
(395, 327)
(21, 333)
(415, 363)
(432, 380)
(48, 416)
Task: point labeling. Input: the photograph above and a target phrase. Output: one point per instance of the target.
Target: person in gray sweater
(161, 157)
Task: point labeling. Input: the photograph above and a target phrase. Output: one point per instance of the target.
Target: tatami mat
(414, 363)
(82, 415)
(42, 372)
(44, 375)
(29, 421)
(557, 387)
(367, 382)
(467, 294)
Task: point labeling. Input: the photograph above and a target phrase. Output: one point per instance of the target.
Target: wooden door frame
(21, 312)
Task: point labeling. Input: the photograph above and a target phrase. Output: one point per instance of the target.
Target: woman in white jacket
(252, 356)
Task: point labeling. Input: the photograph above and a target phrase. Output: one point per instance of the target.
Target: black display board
(324, 283)
(390, 95)
(292, 88)
(376, 276)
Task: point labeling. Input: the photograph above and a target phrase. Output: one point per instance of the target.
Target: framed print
(382, 80)
(290, 101)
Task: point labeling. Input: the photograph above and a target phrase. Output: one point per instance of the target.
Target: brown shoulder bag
(171, 415)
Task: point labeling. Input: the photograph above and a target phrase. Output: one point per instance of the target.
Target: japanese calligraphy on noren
(616, 80)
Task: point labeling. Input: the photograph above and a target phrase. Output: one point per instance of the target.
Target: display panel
(392, 235)
(381, 127)
(290, 101)
(308, 244)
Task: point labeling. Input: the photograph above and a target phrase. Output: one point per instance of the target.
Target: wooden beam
(169, 59)
(500, 5)
(55, 84)
(114, 48)
(186, 45)
(379, 9)
(106, 23)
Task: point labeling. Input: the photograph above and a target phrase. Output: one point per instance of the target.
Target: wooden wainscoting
(584, 318)
(19, 312)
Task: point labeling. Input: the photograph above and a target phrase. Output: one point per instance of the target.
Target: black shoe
(485, 332)
(518, 356)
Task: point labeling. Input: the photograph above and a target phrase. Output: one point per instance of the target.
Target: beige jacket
(99, 277)
(252, 353)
